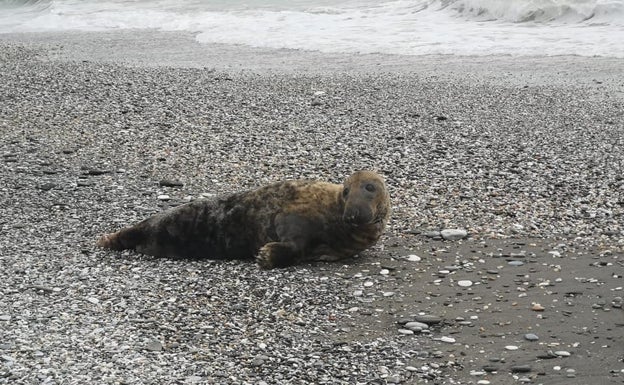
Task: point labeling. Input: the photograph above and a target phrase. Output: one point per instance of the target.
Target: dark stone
(95, 171)
(520, 369)
(170, 183)
(47, 186)
(428, 319)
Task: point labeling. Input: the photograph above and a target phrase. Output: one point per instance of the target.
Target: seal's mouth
(354, 221)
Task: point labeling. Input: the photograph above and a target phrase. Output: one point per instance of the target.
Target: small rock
(531, 337)
(47, 186)
(96, 171)
(93, 300)
(406, 331)
(193, 379)
(520, 369)
(432, 234)
(515, 263)
(537, 307)
(511, 347)
(164, 197)
(464, 283)
(416, 326)
(413, 258)
(5, 317)
(562, 353)
(490, 368)
(448, 340)
(170, 183)
(384, 272)
(428, 319)
(453, 234)
(154, 346)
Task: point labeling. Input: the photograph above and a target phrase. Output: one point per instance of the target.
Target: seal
(279, 225)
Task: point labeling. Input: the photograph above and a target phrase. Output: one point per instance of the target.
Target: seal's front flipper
(278, 254)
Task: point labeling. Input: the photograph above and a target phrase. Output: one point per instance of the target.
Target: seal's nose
(351, 216)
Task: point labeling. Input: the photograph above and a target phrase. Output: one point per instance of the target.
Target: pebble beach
(503, 262)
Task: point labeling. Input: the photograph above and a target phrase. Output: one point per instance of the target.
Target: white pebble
(464, 283)
(449, 340)
(405, 331)
(483, 382)
(511, 347)
(93, 300)
(413, 258)
(384, 272)
(368, 283)
(164, 197)
(562, 353)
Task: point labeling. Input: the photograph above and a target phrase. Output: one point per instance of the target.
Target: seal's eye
(345, 191)
(370, 187)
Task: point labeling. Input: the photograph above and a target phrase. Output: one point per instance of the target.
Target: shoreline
(146, 48)
(525, 155)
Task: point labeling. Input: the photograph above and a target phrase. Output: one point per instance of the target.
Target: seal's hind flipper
(127, 238)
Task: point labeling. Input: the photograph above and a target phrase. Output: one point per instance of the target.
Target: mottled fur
(280, 224)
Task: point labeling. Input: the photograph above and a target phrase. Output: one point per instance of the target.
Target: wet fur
(280, 225)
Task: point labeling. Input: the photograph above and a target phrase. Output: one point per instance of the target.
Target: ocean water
(406, 27)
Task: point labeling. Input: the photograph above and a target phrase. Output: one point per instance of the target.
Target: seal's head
(366, 199)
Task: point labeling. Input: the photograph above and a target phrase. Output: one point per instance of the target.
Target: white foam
(408, 27)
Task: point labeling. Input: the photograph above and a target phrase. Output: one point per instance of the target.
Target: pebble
(384, 272)
(154, 346)
(483, 382)
(5, 317)
(562, 353)
(520, 369)
(164, 197)
(515, 263)
(406, 331)
(432, 234)
(413, 258)
(170, 183)
(97, 171)
(453, 234)
(531, 337)
(428, 319)
(416, 326)
(448, 340)
(511, 347)
(464, 283)
(537, 307)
